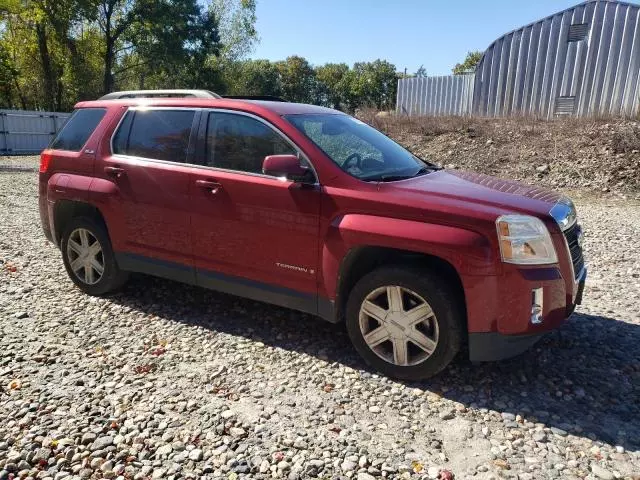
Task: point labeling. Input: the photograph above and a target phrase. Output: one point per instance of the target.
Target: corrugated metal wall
(584, 61)
(447, 95)
(25, 132)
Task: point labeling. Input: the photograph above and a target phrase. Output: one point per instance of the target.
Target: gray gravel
(169, 381)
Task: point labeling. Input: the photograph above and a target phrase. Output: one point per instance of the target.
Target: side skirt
(241, 287)
(158, 268)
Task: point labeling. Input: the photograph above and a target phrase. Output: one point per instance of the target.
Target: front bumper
(494, 346)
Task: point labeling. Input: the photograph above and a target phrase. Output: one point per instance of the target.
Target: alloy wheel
(85, 256)
(398, 325)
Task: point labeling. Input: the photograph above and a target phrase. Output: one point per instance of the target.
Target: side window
(157, 134)
(78, 129)
(238, 142)
(121, 138)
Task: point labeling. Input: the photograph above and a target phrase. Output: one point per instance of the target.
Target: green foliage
(62, 51)
(333, 84)
(297, 80)
(252, 77)
(373, 84)
(236, 25)
(421, 72)
(54, 53)
(170, 42)
(8, 73)
(469, 65)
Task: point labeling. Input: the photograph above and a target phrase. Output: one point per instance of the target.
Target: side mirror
(285, 166)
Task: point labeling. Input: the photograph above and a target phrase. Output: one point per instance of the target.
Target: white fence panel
(28, 132)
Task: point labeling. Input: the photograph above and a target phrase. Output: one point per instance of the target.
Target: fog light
(536, 306)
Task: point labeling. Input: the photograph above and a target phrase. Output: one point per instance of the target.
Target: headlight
(525, 240)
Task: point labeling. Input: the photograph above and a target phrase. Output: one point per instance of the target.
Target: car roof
(256, 106)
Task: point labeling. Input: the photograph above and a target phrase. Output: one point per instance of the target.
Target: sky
(408, 33)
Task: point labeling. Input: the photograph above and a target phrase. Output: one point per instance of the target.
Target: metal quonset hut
(584, 61)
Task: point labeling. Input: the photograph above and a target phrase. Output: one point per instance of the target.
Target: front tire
(406, 323)
(89, 258)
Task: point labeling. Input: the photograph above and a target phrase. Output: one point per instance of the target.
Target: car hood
(477, 188)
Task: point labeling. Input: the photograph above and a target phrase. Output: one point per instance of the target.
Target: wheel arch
(65, 210)
(362, 260)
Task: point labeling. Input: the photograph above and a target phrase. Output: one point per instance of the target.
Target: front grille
(575, 249)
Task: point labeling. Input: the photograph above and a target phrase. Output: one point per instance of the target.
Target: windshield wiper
(427, 169)
(393, 177)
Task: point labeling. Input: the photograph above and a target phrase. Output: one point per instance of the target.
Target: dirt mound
(590, 154)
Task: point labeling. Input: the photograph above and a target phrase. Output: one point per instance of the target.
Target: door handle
(213, 187)
(114, 171)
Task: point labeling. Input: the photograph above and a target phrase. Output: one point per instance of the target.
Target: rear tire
(89, 258)
(405, 322)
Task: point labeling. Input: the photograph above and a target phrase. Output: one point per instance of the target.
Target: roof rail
(159, 93)
(271, 98)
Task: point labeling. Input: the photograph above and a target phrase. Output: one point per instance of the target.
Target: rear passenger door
(254, 235)
(146, 184)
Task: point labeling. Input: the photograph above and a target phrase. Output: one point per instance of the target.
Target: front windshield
(358, 149)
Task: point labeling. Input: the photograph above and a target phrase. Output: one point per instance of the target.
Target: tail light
(45, 160)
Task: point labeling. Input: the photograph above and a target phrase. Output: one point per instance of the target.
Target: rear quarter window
(78, 129)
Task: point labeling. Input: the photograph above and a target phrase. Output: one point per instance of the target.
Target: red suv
(309, 208)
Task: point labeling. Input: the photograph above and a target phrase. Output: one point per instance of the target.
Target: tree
(33, 51)
(333, 84)
(161, 34)
(7, 74)
(421, 72)
(169, 45)
(297, 80)
(83, 71)
(113, 18)
(73, 26)
(252, 77)
(373, 84)
(469, 65)
(61, 51)
(56, 52)
(236, 28)
(236, 24)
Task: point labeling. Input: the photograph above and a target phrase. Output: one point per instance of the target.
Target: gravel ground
(170, 381)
